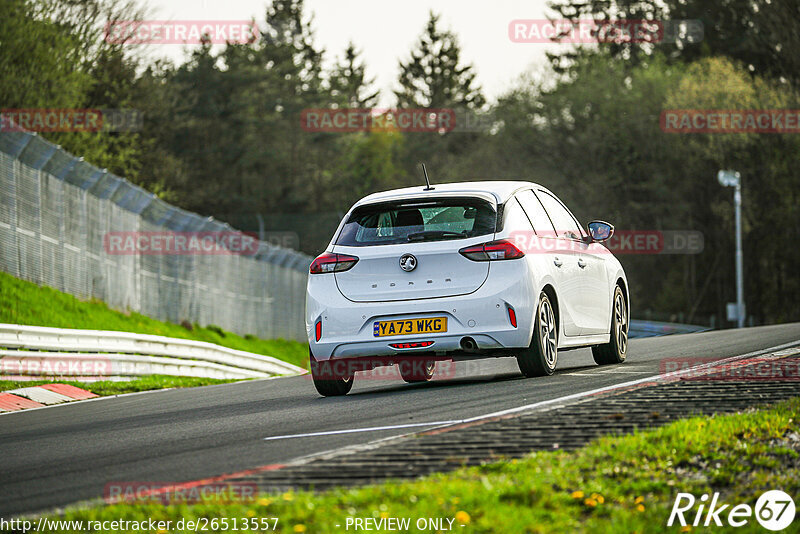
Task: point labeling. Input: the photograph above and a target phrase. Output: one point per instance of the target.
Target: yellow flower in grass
(576, 494)
(251, 513)
(590, 502)
(384, 515)
(639, 500)
(687, 528)
(599, 498)
(640, 507)
(264, 501)
(288, 496)
(299, 528)
(463, 517)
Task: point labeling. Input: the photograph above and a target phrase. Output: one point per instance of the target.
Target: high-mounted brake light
(502, 249)
(328, 262)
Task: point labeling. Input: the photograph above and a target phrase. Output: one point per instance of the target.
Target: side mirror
(600, 231)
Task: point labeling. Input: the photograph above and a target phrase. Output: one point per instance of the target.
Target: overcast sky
(386, 31)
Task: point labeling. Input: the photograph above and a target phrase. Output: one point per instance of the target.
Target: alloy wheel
(547, 331)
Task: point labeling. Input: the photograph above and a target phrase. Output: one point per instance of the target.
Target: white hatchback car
(462, 271)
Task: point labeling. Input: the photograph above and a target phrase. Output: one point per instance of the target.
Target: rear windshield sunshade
(411, 221)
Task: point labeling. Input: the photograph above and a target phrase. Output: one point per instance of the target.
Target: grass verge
(107, 387)
(26, 303)
(615, 484)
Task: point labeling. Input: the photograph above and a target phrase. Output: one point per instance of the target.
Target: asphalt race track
(55, 456)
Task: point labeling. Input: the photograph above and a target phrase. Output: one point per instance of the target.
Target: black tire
(541, 357)
(616, 350)
(414, 371)
(328, 382)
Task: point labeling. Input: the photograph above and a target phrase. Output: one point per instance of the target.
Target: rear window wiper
(435, 234)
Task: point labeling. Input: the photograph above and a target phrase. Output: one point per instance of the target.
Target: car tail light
(512, 317)
(494, 250)
(411, 345)
(329, 262)
(318, 330)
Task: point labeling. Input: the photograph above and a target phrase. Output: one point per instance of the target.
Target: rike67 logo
(774, 510)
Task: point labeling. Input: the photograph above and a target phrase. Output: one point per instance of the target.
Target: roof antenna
(427, 181)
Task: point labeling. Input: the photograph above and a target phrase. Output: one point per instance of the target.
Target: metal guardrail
(640, 328)
(36, 350)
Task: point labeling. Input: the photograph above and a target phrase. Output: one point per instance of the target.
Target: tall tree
(349, 83)
(288, 52)
(294, 82)
(434, 76)
(199, 132)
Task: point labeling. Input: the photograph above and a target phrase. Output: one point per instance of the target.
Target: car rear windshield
(416, 221)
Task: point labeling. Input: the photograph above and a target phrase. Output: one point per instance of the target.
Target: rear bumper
(347, 326)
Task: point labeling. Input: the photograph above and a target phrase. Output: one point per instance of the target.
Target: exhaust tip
(468, 344)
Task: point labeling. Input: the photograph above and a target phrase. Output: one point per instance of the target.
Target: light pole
(733, 179)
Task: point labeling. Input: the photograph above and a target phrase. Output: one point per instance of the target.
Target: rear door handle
(557, 262)
(581, 263)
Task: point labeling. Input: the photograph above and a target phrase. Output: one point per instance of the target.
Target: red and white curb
(39, 396)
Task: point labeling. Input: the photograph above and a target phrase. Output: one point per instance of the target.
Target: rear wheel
(615, 351)
(414, 371)
(328, 379)
(541, 357)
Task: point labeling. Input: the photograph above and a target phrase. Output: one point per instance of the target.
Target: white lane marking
(533, 406)
(618, 371)
(602, 374)
(370, 429)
